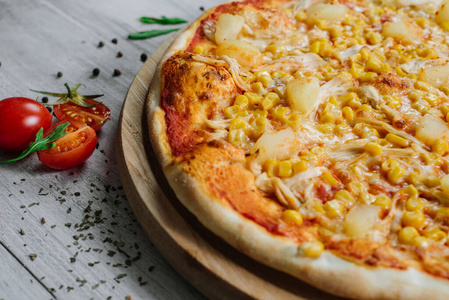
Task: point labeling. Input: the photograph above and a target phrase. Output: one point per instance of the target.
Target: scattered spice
(33, 256)
(21, 231)
(43, 221)
(119, 54)
(143, 57)
(117, 72)
(96, 72)
(100, 44)
(59, 74)
(201, 8)
(114, 41)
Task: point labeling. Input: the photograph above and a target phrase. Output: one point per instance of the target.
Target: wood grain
(215, 268)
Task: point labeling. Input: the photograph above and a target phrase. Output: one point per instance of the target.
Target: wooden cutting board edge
(209, 264)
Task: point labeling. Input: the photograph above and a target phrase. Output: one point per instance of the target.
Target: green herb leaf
(41, 143)
(70, 96)
(149, 34)
(163, 20)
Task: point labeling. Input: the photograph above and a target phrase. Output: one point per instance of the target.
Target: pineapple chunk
(228, 27)
(302, 93)
(442, 15)
(328, 12)
(431, 128)
(278, 145)
(403, 31)
(436, 76)
(246, 54)
(360, 220)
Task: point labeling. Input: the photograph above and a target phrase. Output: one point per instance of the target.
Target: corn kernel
(301, 16)
(435, 234)
(340, 43)
(285, 168)
(253, 98)
(294, 120)
(241, 101)
(445, 89)
(312, 249)
(238, 124)
(356, 188)
(291, 216)
(231, 111)
(373, 38)
(407, 234)
(442, 213)
(270, 167)
(414, 218)
(248, 76)
(389, 165)
(335, 31)
(382, 201)
(421, 85)
(333, 208)
(357, 71)
(422, 22)
(266, 104)
(364, 54)
(373, 149)
(368, 77)
(258, 87)
(348, 97)
(432, 181)
(344, 195)
(411, 191)
(330, 179)
(392, 101)
(420, 241)
(280, 113)
(440, 146)
(266, 80)
(373, 64)
(413, 204)
(198, 49)
(396, 174)
(273, 97)
(397, 140)
(400, 71)
(300, 166)
(238, 137)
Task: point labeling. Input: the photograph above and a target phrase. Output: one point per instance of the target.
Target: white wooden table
(71, 234)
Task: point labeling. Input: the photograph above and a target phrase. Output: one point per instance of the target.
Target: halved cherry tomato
(95, 116)
(72, 149)
(20, 120)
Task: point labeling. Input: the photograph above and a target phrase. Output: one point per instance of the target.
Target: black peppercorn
(117, 72)
(143, 57)
(114, 41)
(96, 71)
(119, 54)
(44, 99)
(59, 74)
(100, 44)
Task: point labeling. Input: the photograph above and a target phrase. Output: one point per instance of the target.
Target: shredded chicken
(389, 128)
(308, 61)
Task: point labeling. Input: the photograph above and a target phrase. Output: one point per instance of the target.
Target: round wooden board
(208, 263)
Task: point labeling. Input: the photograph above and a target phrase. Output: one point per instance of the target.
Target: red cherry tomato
(20, 120)
(95, 116)
(72, 149)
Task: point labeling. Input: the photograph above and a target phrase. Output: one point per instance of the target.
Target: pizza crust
(328, 272)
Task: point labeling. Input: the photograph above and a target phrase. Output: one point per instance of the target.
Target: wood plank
(17, 282)
(45, 37)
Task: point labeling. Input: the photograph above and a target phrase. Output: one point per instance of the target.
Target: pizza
(313, 136)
